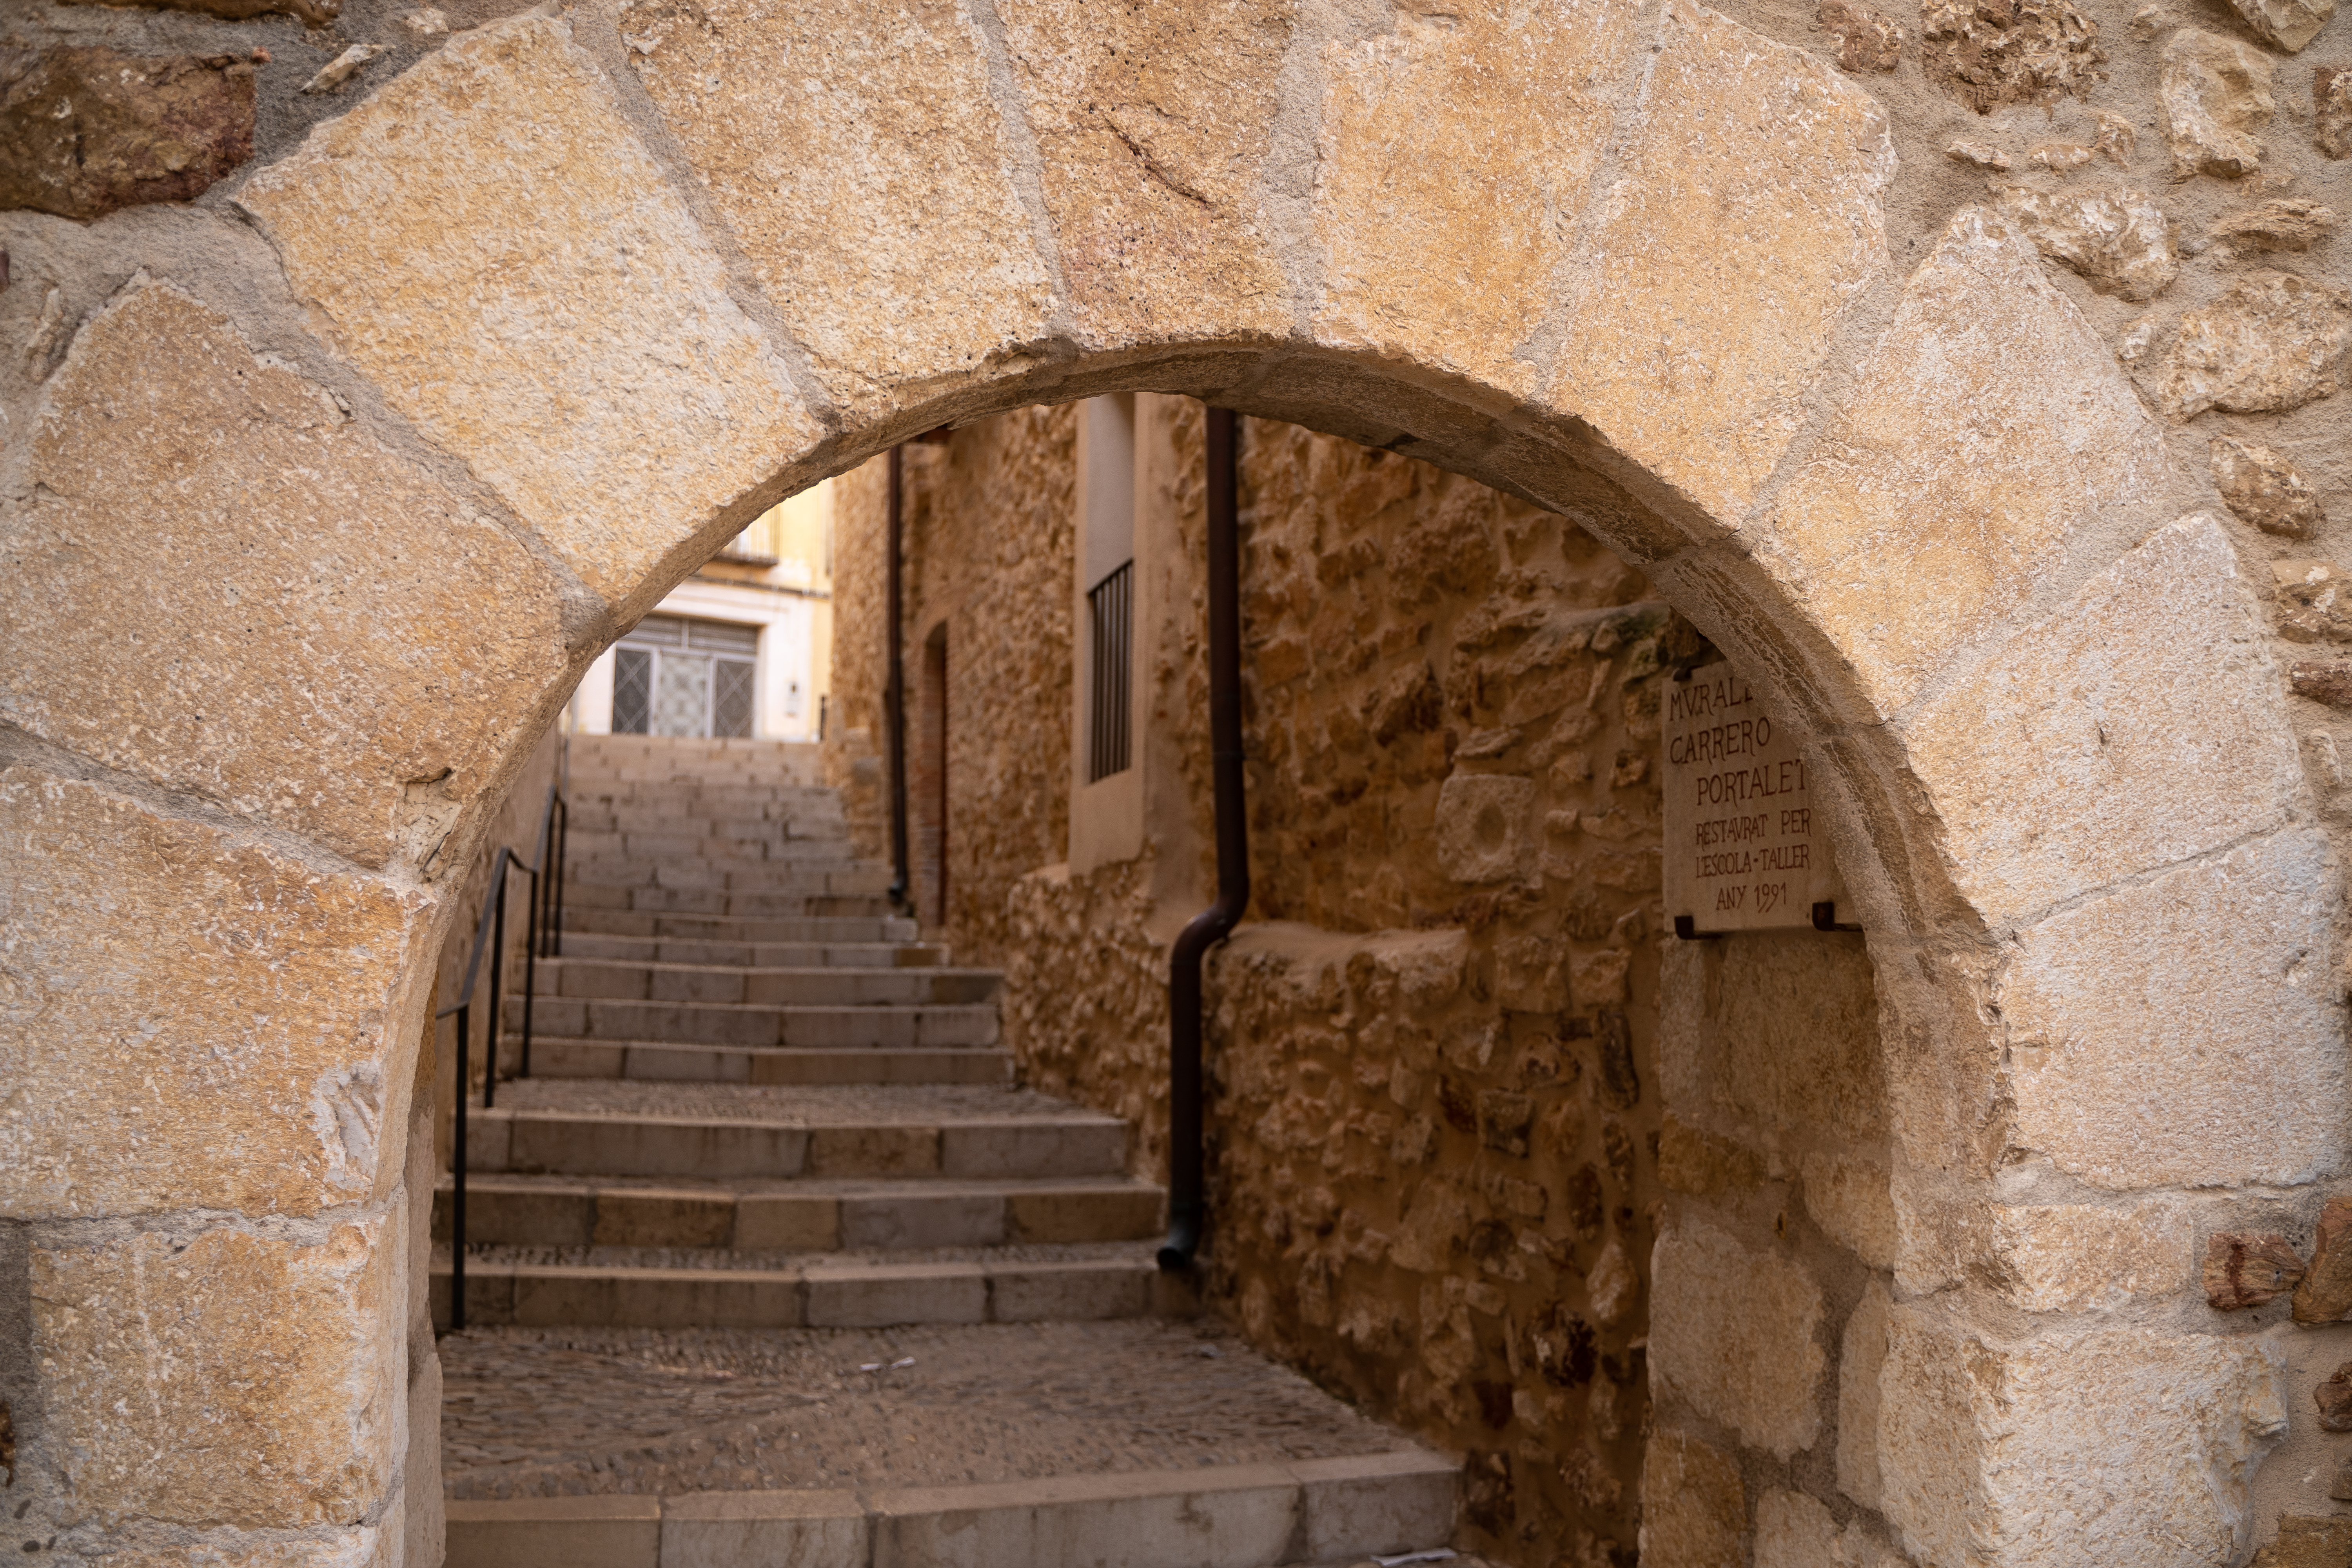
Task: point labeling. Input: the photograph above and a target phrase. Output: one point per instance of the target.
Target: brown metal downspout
(1187, 1196)
(894, 687)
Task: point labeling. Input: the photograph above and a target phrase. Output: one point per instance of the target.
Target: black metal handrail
(543, 929)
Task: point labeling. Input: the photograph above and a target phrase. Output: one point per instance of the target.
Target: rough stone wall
(852, 755)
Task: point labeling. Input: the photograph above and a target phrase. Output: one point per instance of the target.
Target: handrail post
(562, 847)
(498, 974)
(529, 967)
(457, 1180)
(894, 683)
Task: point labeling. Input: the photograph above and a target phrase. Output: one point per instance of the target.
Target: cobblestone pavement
(554, 1412)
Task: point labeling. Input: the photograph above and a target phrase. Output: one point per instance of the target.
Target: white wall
(789, 625)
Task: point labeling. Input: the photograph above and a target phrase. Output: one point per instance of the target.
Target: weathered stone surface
(2012, 51)
(2057, 766)
(1986, 421)
(2117, 238)
(2315, 601)
(1862, 1356)
(342, 68)
(1788, 1054)
(1745, 220)
(2325, 1292)
(2334, 1398)
(2287, 24)
(1484, 826)
(223, 583)
(1153, 128)
(2331, 111)
(1978, 155)
(90, 131)
(1849, 1199)
(2287, 223)
(2264, 487)
(191, 1022)
(1972, 1432)
(1699, 1164)
(2267, 346)
(2212, 94)
(1732, 1334)
(2306, 1543)
(903, 245)
(228, 1378)
(2246, 1268)
(317, 13)
(2127, 1080)
(2321, 682)
(1694, 1508)
(1865, 38)
(1491, 107)
(487, 239)
(1793, 1530)
(2073, 1257)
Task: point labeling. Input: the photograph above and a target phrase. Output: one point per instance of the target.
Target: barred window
(1111, 606)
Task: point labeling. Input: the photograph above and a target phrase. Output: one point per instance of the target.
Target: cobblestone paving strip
(567, 1412)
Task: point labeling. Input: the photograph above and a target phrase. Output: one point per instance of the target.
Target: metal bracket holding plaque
(1745, 849)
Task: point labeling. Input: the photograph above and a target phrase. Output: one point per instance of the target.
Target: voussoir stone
(2118, 239)
(1972, 1432)
(487, 239)
(1492, 109)
(1733, 1332)
(191, 1022)
(2126, 1079)
(1986, 422)
(1744, 220)
(222, 582)
(91, 129)
(225, 1378)
(2212, 94)
(2268, 345)
(1153, 126)
(2057, 765)
(876, 197)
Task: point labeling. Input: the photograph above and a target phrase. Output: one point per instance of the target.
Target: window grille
(677, 677)
(1111, 606)
(633, 690)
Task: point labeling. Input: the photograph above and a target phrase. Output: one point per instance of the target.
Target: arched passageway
(322, 491)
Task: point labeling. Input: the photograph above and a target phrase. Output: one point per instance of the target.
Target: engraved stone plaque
(1745, 849)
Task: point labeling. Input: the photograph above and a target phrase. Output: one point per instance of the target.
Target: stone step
(658, 1061)
(650, 794)
(848, 1292)
(754, 956)
(713, 901)
(810, 880)
(810, 987)
(716, 840)
(690, 927)
(1296, 1511)
(771, 821)
(771, 1024)
(980, 1147)
(810, 1215)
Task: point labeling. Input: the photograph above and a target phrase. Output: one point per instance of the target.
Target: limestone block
(225, 1378)
(223, 583)
(2288, 23)
(2031, 52)
(488, 241)
(1486, 826)
(2126, 1079)
(192, 1022)
(2212, 94)
(1792, 1053)
(91, 130)
(2133, 728)
(1153, 127)
(1793, 1530)
(2286, 223)
(2267, 346)
(2006, 1455)
(1866, 39)
(2263, 486)
(1495, 109)
(367, 1546)
(1694, 1508)
(2118, 238)
(1701, 1165)
(1862, 1356)
(2246, 1268)
(2331, 107)
(1848, 1198)
(904, 248)
(1745, 219)
(2072, 1258)
(2315, 601)
(1733, 1333)
(1984, 424)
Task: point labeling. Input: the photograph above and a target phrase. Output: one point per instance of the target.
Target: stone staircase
(758, 1102)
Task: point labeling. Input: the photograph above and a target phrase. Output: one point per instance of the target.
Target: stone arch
(424, 410)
